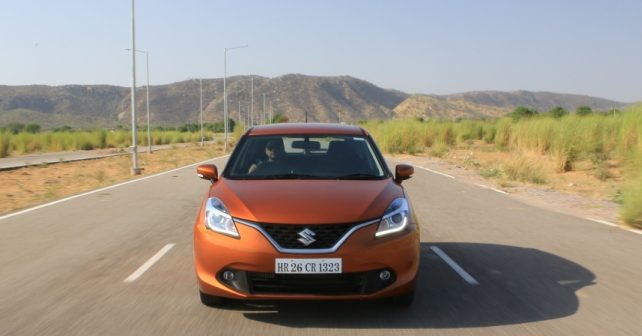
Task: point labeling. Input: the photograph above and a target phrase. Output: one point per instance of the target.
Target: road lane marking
(615, 225)
(105, 188)
(602, 222)
(435, 172)
(491, 188)
(149, 263)
(462, 273)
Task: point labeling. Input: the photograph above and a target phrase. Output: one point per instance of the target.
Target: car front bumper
(252, 259)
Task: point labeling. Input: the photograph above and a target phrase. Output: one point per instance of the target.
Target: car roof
(306, 128)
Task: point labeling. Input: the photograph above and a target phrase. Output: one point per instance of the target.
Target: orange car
(308, 212)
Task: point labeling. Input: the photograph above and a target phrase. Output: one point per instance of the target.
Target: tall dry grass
(26, 143)
(596, 138)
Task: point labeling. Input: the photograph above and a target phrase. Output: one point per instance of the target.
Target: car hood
(306, 201)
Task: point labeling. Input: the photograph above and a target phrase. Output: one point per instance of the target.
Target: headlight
(218, 219)
(394, 219)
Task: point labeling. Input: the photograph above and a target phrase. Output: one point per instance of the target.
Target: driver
(274, 152)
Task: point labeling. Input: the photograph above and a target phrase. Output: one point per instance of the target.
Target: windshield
(306, 157)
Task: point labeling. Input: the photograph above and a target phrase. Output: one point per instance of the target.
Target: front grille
(319, 284)
(287, 235)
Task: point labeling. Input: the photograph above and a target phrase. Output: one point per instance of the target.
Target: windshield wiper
(358, 176)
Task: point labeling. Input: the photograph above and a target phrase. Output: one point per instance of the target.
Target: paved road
(62, 270)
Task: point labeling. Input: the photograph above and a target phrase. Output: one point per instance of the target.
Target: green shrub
(503, 132)
(583, 110)
(5, 139)
(491, 172)
(522, 112)
(557, 112)
(524, 170)
(632, 203)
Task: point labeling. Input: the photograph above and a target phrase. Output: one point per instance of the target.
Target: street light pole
(264, 116)
(149, 134)
(225, 118)
(271, 112)
(200, 86)
(252, 103)
(135, 168)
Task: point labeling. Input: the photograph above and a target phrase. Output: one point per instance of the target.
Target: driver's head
(274, 149)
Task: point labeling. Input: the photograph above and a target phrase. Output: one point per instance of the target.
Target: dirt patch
(30, 186)
(579, 192)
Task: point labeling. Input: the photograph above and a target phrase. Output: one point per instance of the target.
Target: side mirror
(403, 172)
(207, 172)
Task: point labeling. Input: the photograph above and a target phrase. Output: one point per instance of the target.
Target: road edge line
(105, 188)
(491, 188)
(435, 172)
(602, 222)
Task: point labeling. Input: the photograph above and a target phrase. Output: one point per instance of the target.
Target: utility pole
(135, 168)
(149, 132)
(200, 86)
(252, 102)
(264, 116)
(271, 113)
(225, 117)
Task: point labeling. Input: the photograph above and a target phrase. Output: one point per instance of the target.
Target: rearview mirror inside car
(307, 145)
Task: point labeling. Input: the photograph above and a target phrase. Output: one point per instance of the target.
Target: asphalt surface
(63, 269)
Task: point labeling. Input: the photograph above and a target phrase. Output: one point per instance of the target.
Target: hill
(482, 104)
(323, 99)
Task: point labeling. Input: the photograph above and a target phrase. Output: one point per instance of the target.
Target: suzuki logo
(307, 237)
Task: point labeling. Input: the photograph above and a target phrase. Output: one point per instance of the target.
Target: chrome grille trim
(306, 251)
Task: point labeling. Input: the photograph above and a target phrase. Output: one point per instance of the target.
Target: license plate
(307, 266)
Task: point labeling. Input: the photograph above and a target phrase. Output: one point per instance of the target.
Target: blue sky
(586, 47)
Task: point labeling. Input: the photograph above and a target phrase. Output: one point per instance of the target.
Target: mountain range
(319, 99)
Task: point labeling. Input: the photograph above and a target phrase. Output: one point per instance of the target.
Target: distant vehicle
(306, 211)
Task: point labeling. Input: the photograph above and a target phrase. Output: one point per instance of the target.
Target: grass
(34, 185)
(5, 139)
(566, 143)
(26, 143)
(524, 169)
(631, 194)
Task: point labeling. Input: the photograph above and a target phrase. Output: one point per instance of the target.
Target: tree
(583, 110)
(15, 128)
(32, 128)
(279, 118)
(523, 112)
(557, 112)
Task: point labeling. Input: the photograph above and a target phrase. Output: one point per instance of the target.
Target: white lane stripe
(105, 188)
(602, 222)
(149, 263)
(434, 171)
(467, 277)
(615, 225)
(491, 188)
